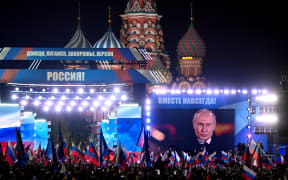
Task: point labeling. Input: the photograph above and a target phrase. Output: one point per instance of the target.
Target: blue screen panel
(9, 119)
(129, 126)
(41, 133)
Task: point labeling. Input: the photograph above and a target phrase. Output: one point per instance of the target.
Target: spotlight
(80, 108)
(148, 101)
(272, 118)
(148, 120)
(148, 128)
(113, 98)
(104, 109)
(233, 91)
(148, 114)
(16, 89)
(43, 90)
(58, 108)
(36, 103)
(91, 90)
(72, 103)
(77, 97)
(249, 135)
(124, 97)
(244, 91)
(39, 97)
(209, 91)
(55, 90)
(92, 109)
(46, 108)
(52, 97)
(81, 91)
(190, 91)
(14, 96)
(30, 89)
(60, 103)
(226, 91)
(27, 97)
(48, 103)
(24, 103)
(100, 98)
(216, 91)
(63, 97)
(148, 108)
(67, 90)
(85, 103)
(267, 98)
(108, 103)
(116, 90)
(95, 103)
(68, 108)
(254, 91)
(264, 91)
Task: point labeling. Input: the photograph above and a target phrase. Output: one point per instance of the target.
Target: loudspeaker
(282, 112)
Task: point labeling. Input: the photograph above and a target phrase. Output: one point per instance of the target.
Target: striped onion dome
(109, 40)
(78, 40)
(191, 44)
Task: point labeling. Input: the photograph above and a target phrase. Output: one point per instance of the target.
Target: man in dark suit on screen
(204, 123)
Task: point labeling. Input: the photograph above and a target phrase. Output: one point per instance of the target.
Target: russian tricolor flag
(212, 157)
(248, 173)
(9, 154)
(224, 155)
(76, 152)
(268, 163)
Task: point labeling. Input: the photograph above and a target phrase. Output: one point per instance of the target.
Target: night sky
(246, 40)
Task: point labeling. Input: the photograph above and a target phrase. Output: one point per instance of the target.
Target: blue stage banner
(195, 101)
(71, 76)
(87, 54)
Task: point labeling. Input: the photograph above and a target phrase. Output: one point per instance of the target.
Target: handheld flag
(248, 173)
(9, 153)
(20, 149)
(104, 151)
(121, 158)
(1, 153)
(51, 152)
(247, 157)
(60, 150)
(76, 152)
(91, 155)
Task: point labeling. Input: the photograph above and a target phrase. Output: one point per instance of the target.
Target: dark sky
(246, 40)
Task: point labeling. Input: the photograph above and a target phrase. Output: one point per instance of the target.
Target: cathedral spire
(109, 15)
(78, 18)
(191, 17)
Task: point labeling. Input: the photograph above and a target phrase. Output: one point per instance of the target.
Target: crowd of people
(160, 169)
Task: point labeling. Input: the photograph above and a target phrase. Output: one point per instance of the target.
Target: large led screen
(9, 119)
(175, 127)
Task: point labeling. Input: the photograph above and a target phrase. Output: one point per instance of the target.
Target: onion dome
(109, 40)
(78, 40)
(191, 44)
(140, 6)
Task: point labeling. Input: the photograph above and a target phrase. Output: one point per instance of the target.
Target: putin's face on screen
(204, 123)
